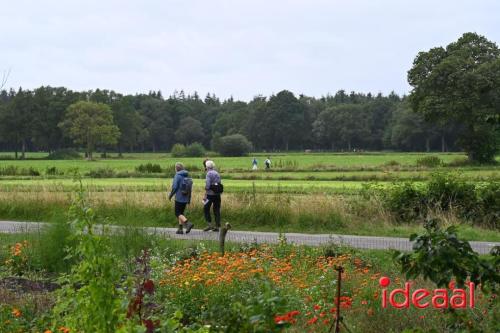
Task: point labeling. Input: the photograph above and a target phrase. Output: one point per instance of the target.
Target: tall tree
(17, 121)
(286, 115)
(189, 131)
(461, 83)
(90, 124)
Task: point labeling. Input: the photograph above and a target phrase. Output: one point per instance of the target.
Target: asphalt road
(360, 242)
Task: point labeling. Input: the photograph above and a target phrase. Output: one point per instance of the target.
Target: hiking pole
(338, 318)
(222, 237)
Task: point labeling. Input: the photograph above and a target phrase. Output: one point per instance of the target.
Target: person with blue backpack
(182, 187)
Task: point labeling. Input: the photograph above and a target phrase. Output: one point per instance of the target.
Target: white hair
(210, 165)
(179, 166)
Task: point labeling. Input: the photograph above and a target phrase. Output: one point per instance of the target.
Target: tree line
(454, 104)
(30, 119)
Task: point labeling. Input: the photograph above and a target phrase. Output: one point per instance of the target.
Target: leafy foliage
(91, 297)
(440, 256)
(460, 83)
(232, 145)
(90, 124)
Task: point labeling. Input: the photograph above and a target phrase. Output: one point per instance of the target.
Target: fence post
(222, 237)
(338, 318)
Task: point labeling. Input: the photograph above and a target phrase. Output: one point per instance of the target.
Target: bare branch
(5, 77)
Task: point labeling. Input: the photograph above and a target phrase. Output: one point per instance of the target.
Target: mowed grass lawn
(163, 184)
(288, 160)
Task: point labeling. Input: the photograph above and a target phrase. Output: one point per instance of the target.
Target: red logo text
(455, 298)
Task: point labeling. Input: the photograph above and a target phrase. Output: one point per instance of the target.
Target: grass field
(297, 160)
(302, 192)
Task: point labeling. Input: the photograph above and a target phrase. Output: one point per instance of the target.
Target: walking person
(254, 164)
(267, 162)
(182, 186)
(213, 191)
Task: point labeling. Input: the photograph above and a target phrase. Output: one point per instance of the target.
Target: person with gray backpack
(182, 187)
(213, 191)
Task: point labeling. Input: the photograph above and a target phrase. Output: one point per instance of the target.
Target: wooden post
(338, 318)
(222, 237)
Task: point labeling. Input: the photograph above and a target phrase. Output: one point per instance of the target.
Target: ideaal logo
(422, 298)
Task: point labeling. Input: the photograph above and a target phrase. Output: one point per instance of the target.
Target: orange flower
(47, 331)
(16, 313)
(64, 329)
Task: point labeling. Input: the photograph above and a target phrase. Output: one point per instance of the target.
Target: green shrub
(406, 201)
(6, 157)
(178, 150)
(429, 162)
(195, 149)
(440, 256)
(489, 205)
(101, 173)
(97, 304)
(232, 145)
(64, 154)
(53, 171)
(447, 191)
(13, 170)
(149, 168)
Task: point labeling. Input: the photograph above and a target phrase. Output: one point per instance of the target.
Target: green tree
(90, 124)
(17, 121)
(128, 121)
(286, 117)
(189, 131)
(461, 83)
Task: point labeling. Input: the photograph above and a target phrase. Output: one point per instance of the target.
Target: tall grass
(284, 212)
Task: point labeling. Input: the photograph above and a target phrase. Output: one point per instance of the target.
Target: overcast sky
(232, 47)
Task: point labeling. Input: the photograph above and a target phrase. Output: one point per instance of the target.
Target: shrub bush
(12, 170)
(447, 191)
(405, 201)
(52, 171)
(488, 206)
(64, 154)
(232, 145)
(178, 150)
(429, 162)
(6, 157)
(149, 168)
(101, 173)
(195, 149)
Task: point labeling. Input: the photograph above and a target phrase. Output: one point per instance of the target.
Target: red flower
(149, 286)
(312, 321)
(150, 326)
(317, 307)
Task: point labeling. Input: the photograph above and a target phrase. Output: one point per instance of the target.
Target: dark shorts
(179, 208)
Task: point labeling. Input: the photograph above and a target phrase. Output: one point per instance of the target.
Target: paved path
(361, 242)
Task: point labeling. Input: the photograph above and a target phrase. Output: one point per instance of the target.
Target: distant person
(254, 164)
(182, 186)
(267, 162)
(213, 191)
(205, 164)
